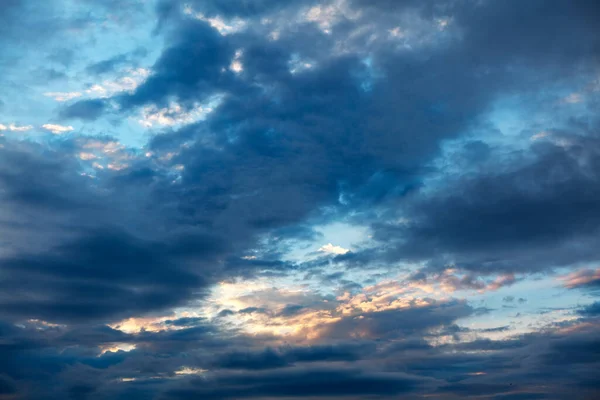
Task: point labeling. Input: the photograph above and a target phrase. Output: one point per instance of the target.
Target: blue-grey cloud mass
(312, 199)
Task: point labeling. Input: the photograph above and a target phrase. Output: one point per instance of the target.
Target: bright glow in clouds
(110, 154)
(324, 16)
(396, 32)
(224, 27)
(345, 237)
(297, 65)
(236, 65)
(540, 135)
(117, 167)
(297, 312)
(135, 325)
(87, 156)
(331, 249)
(190, 371)
(128, 83)
(116, 347)
(573, 98)
(15, 128)
(175, 115)
(327, 16)
(57, 129)
(110, 147)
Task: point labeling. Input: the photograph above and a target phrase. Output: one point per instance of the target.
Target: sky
(301, 199)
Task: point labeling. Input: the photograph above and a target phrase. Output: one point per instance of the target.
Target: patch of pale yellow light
(190, 371)
(115, 347)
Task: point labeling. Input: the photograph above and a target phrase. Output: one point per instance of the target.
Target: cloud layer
(339, 199)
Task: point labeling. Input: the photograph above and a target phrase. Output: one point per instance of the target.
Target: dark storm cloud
(266, 359)
(565, 350)
(358, 132)
(29, 179)
(300, 141)
(498, 329)
(526, 363)
(398, 322)
(496, 36)
(521, 396)
(184, 321)
(189, 70)
(498, 219)
(103, 274)
(287, 137)
(74, 255)
(7, 386)
(302, 383)
(512, 31)
(593, 310)
(174, 78)
(275, 358)
(445, 371)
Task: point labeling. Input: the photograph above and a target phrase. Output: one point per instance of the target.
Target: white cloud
(87, 156)
(127, 83)
(573, 98)
(190, 371)
(331, 249)
(224, 27)
(110, 155)
(397, 33)
(117, 166)
(326, 16)
(109, 147)
(116, 347)
(297, 65)
(236, 65)
(323, 16)
(15, 128)
(172, 115)
(274, 35)
(443, 23)
(57, 129)
(539, 135)
(63, 96)
(24, 128)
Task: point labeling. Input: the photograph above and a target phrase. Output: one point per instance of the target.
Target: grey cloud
(496, 221)
(85, 109)
(357, 135)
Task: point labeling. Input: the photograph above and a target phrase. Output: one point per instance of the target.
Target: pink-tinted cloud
(582, 278)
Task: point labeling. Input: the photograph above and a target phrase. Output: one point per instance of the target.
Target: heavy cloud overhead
(338, 199)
